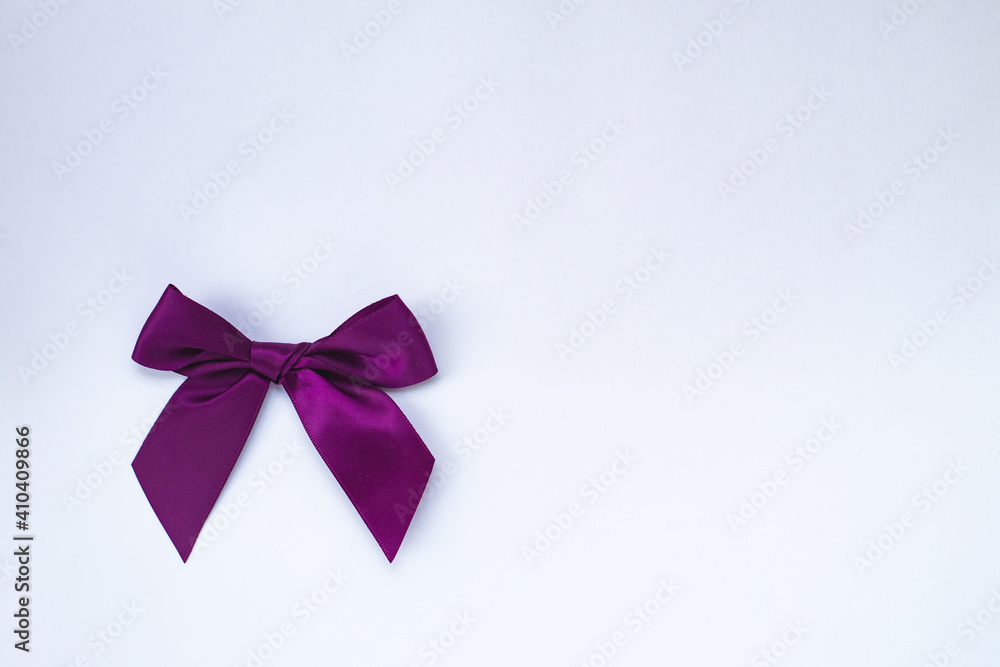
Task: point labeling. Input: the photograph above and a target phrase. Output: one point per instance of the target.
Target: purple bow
(364, 438)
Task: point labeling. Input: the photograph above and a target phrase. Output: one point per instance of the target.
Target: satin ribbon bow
(362, 436)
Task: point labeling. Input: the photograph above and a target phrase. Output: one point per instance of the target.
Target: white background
(888, 90)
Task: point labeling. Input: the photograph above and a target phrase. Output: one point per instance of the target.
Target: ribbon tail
(369, 446)
(187, 456)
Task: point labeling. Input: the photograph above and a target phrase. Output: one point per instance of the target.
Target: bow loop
(181, 334)
(362, 436)
(382, 345)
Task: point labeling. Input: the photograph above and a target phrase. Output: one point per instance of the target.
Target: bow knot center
(274, 360)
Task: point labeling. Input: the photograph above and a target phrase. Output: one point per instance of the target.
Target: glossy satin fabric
(364, 438)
